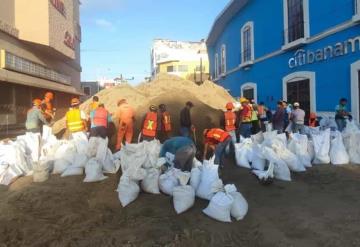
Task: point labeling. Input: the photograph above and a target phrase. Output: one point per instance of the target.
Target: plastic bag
(183, 198)
(60, 166)
(289, 158)
(299, 146)
(244, 153)
(128, 190)
(219, 207)
(80, 161)
(150, 183)
(73, 171)
(209, 176)
(168, 181)
(81, 142)
(93, 171)
(239, 208)
(102, 150)
(281, 170)
(152, 150)
(258, 138)
(258, 160)
(109, 163)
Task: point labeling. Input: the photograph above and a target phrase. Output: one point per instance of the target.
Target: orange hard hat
(49, 95)
(37, 102)
(75, 102)
(229, 106)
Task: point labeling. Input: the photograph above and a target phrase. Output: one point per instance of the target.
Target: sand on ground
(318, 208)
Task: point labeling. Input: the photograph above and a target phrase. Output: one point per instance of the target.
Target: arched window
(249, 91)
(247, 43)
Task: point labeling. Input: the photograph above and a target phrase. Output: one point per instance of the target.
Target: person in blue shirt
(183, 149)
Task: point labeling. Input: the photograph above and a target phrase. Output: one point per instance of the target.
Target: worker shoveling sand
(173, 91)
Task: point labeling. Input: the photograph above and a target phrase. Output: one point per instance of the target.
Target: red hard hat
(37, 102)
(229, 106)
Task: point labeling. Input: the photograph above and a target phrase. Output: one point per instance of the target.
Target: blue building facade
(296, 50)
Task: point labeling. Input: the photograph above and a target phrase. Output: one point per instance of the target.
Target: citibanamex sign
(303, 57)
(59, 5)
(69, 40)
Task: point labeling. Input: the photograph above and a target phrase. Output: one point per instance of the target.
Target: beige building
(39, 52)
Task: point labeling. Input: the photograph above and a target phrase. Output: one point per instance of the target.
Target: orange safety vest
(74, 121)
(312, 120)
(166, 121)
(246, 117)
(261, 111)
(101, 117)
(218, 135)
(230, 120)
(150, 124)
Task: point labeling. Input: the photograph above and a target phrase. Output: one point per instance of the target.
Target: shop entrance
(299, 91)
(248, 93)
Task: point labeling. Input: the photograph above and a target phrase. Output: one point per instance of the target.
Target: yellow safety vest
(74, 121)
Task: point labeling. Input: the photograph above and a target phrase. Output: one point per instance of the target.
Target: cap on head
(296, 104)
(37, 102)
(49, 95)
(153, 108)
(121, 101)
(75, 102)
(229, 106)
(189, 104)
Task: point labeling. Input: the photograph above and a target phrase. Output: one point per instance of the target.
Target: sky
(117, 34)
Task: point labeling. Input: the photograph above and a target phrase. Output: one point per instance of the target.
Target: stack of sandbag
(150, 183)
(244, 153)
(209, 180)
(184, 194)
(338, 153)
(225, 203)
(322, 147)
(299, 146)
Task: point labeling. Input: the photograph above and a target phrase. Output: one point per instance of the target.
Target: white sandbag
(33, 144)
(196, 163)
(128, 190)
(93, 146)
(299, 146)
(289, 158)
(135, 173)
(328, 123)
(150, 183)
(110, 164)
(66, 151)
(102, 150)
(73, 171)
(239, 208)
(219, 207)
(183, 198)
(258, 138)
(81, 142)
(117, 155)
(322, 147)
(281, 170)
(46, 133)
(354, 150)
(258, 160)
(41, 172)
(80, 161)
(132, 155)
(195, 177)
(209, 176)
(93, 171)
(311, 150)
(152, 150)
(10, 174)
(265, 175)
(244, 153)
(338, 154)
(168, 181)
(60, 165)
(269, 136)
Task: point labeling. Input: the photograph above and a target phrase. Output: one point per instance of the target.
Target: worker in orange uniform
(126, 117)
(150, 124)
(165, 126)
(100, 119)
(220, 142)
(75, 118)
(245, 118)
(228, 121)
(47, 106)
(312, 119)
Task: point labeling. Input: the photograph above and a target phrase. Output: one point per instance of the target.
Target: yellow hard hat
(243, 100)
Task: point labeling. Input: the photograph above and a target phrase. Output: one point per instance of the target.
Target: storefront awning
(26, 80)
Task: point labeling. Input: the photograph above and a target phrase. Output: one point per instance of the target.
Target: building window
(183, 68)
(223, 60)
(296, 18)
(87, 91)
(247, 42)
(170, 69)
(357, 7)
(216, 66)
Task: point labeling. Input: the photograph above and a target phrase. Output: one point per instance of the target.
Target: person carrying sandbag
(183, 151)
(75, 118)
(220, 142)
(35, 118)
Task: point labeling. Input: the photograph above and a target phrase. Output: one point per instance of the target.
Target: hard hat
(37, 102)
(243, 100)
(229, 106)
(75, 102)
(153, 108)
(296, 104)
(49, 95)
(121, 101)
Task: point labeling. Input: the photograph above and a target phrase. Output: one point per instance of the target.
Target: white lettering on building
(303, 57)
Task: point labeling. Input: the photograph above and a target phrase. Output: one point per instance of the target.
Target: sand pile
(173, 91)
